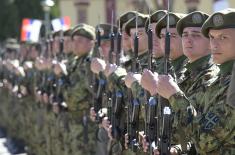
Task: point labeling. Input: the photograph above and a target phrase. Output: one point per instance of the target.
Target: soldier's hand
(105, 123)
(97, 65)
(39, 63)
(39, 96)
(92, 114)
(166, 86)
(45, 98)
(57, 69)
(48, 64)
(130, 78)
(110, 132)
(109, 69)
(145, 143)
(50, 99)
(126, 141)
(173, 151)
(149, 81)
(28, 65)
(23, 90)
(141, 136)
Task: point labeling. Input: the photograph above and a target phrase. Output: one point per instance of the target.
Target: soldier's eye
(211, 37)
(196, 35)
(184, 35)
(223, 37)
(173, 35)
(162, 36)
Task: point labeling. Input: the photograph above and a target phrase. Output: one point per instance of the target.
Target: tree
(8, 19)
(13, 11)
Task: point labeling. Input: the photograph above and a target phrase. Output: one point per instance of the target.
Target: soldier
(100, 66)
(213, 125)
(126, 42)
(177, 57)
(158, 52)
(77, 97)
(199, 68)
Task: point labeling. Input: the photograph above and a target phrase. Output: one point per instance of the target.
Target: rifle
(134, 107)
(118, 97)
(151, 102)
(97, 97)
(165, 135)
(111, 36)
(61, 52)
(119, 45)
(60, 80)
(44, 53)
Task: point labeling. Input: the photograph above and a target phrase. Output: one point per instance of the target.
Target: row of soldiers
(153, 84)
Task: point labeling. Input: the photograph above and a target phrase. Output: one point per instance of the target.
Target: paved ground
(3, 148)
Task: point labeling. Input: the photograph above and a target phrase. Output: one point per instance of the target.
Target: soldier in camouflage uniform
(199, 69)
(211, 128)
(115, 84)
(177, 57)
(99, 67)
(79, 95)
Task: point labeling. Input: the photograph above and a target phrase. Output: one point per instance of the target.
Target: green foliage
(13, 11)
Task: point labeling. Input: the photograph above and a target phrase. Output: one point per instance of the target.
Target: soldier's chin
(216, 60)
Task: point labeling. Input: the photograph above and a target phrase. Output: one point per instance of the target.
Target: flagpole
(47, 4)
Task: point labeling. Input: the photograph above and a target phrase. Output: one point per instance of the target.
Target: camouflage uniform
(211, 126)
(231, 90)
(205, 126)
(78, 98)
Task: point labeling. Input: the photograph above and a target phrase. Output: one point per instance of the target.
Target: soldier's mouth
(216, 53)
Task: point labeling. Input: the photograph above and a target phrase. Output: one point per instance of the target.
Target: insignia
(197, 18)
(218, 20)
(209, 121)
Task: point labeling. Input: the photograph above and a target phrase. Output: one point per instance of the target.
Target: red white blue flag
(61, 23)
(30, 29)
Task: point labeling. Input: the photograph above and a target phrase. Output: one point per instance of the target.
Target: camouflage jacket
(78, 96)
(197, 76)
(231, 90)
(211, 128)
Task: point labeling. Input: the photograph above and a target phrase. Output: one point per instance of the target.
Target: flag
(61, 23)
(30, 29)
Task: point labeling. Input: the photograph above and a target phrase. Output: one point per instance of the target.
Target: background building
(99, 11)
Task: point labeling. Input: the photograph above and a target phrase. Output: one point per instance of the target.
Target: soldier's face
(195, 45)
(81, 45)
(176, 49)
(33, 53)
(67, 44)
(105, 48)
(143, 39)
(126, 41)
(56, 44)
(23, 50)
(56, 109)
(222, 45)
(157, 51)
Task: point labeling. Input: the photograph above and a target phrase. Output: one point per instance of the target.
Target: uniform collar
(179, 61)
(199, 63)
(226, 68)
